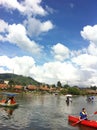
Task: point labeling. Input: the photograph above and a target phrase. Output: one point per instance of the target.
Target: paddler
(83, 114)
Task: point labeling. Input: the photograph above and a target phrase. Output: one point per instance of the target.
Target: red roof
(45, 88)
(18, 87)
(3, 86)
(32, 87)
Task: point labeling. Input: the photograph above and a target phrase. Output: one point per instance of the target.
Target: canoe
(89, 123)
(8, 105)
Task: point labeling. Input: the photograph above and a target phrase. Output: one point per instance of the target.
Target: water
(44, 112)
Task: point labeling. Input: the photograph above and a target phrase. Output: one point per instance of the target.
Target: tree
(11, 83)
(66, 86)
(93, 87)
(74, 90)
(59, 84)
(53, 86)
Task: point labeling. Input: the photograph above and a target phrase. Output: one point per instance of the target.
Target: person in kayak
(83, 114)
(10, 100)
(7, 100)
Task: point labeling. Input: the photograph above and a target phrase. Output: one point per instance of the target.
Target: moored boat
(89, 123)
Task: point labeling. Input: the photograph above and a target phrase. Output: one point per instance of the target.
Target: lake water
(44, 112)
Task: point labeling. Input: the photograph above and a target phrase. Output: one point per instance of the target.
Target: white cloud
(46, 26)
(33, 7)
(86, 61)
(20, 65)
(12, 4)
(35, 27)
(16, 34)
(60, 51)
(92, 49)
(26, 7)
(3, 26)
(74, 73)
(52, 72)
(90, 33)
(51, 10)
(48, 73)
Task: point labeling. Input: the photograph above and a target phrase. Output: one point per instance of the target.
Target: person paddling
(83, 114)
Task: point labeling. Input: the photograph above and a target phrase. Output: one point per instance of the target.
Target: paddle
(83, 119)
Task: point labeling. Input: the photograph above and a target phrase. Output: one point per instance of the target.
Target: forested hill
(18, 79)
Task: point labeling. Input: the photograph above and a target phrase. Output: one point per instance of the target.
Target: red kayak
(89, 123)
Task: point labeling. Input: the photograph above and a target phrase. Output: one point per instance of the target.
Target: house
(18, 88)
(3, 86)
(6, 82)
(32, 87)
(44, 88)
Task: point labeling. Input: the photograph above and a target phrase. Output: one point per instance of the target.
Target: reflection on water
(7, 112)
(42, 112)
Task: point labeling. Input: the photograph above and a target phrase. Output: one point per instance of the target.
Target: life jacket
(83, 115)
(13, 101)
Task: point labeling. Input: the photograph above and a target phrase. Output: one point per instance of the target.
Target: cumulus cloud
(90, 33)
(35, 27)
(3, 26)
(20, 39)
(78, 72)
(60, 51)
(33, 7)
(20, 65)
(92, 49)
(22, 35)
(16, 34)
(12, 4)
(86, 61)
(56, 71)
(26, 7)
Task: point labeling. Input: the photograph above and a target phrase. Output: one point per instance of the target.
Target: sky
(50, 40)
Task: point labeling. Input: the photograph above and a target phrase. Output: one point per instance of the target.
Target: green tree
(66, 86)
(93, 87)
(53, 85)
(59, 84)
(74, 90)
(11, 83)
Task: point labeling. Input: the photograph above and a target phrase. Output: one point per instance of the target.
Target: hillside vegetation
(18, 79)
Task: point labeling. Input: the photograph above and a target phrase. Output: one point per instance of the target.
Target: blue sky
(50, 40)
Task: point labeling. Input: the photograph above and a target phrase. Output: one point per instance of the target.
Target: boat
(68, 98)
(8, 105)
(75, 121)
(13, 103)
(90, 98)
(68, 95)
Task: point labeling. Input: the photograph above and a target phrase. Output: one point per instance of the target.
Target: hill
(18, 79)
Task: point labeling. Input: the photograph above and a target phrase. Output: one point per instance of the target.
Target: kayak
(89, 123)
(8, 105)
